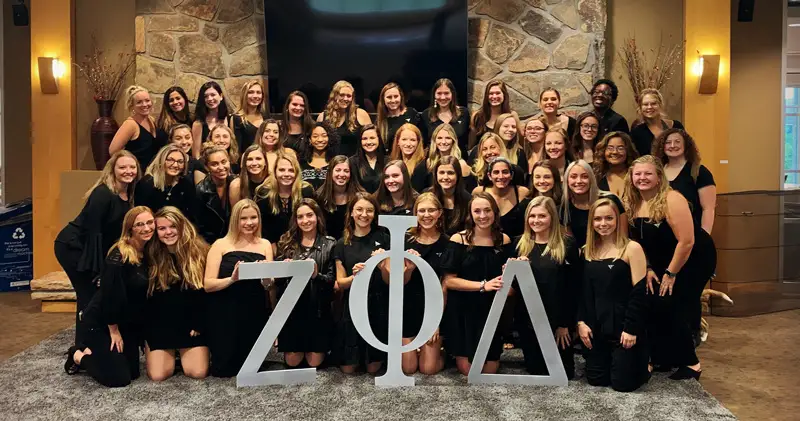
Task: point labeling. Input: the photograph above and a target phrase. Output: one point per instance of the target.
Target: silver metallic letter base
(300, 273)
(434, 301)
(520, 270)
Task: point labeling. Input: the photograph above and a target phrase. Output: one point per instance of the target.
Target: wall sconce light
(707, 68)
(50, 70)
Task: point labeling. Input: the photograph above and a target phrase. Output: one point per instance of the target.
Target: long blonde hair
(109, 179)
(419, 153)
(592, 239)
(130, 100)
(513, 147)
(433, 153)
(189, 261)
(268, 190)
(126, 250)
(332, 112)
(479, 167)
(157, 168)
(236, 213)
(632, 198)
(241, 112)
(233, 149)
(556, 246)
(567, 197)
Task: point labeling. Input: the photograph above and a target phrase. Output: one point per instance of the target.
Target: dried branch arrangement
(645, 72)
(103, 77)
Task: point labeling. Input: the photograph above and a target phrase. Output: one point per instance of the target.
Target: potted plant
(104, 78)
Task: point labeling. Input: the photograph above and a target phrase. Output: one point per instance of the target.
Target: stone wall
(189, 42)
(533, 44)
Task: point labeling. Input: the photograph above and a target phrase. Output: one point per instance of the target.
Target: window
(791, 146)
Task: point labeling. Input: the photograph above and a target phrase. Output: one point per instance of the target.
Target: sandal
(70, 366)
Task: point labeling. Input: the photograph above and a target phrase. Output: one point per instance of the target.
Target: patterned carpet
(34, 387)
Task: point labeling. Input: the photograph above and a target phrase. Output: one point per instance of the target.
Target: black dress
(334, 221)
(579, 218)
(172, 315)
(297, 142)
(145, 147)
(309, 327)
(274, 225)
(244, 130)
(610, 305)
(466, 311)
(236, 316)
(313, 175)
(180, 195)
(371, 178)
(690, 188)
(349, 140)
(460, 124)
(558, 285)
(411, 116)
(414, 291)
(611, 121)
(513, 222)
(421, 177)
(643, 138)
(349, 348)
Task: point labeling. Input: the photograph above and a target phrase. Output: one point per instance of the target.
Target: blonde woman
(489, 147)
(246, 120)
(580, 191)
(555, 261)
(444, 144)
(116, 315)
(652, 121)
(679, 256)
(238, 308)
(175, 321)
(138, 134)
(611, 317)
(222, 137)
(165, 182)
(181, 135)
(82, 245)
(533, 143)
(277, 196)
(408, 146)
(508, 128)
(342, 113)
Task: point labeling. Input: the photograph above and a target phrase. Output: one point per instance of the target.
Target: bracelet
(483, 286)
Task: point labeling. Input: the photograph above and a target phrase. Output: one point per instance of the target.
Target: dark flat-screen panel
(311, 44)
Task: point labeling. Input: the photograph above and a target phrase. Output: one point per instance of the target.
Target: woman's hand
(235, 274)
(116, 340)
(357, 268)
(667, 282)
(316, 269)
(651, 277)
(194, 333)
(493, 285)
(434, 338)
(562, 337)
(408, 264)
(627, 340)
(585, 333)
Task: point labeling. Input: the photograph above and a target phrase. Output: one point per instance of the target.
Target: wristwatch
(668, 273)
(483, 286)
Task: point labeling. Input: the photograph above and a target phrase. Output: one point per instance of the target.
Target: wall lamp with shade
(50, 71)
(707, 69)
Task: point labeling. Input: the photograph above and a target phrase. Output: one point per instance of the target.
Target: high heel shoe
(684, 373)
(70, 366)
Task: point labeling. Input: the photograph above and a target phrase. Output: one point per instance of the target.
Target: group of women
(615, 228)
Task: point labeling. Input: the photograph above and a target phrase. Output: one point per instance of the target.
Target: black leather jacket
(319, 290)
(212, 215)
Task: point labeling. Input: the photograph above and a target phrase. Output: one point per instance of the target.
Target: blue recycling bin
(16, 237)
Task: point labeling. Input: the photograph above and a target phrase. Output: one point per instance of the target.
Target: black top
(297, 142)
(195, 165)
(244, 130)
(690, 188)
(274, 225)
(360, 249)
(334, 221)
(460, 125)
(312, 175)
(349, 140)
(658, 242)
(393, 124)
(371, 178)
(145, 147)
(96, 228)
(181, 195)
(173, 313)
(643, 138)
(579, 218)
(212, 214)
(611, 304)
(421, 178)
(122, 297)
(320, 288)
(612, 121)
(558, 283)
(513, 222)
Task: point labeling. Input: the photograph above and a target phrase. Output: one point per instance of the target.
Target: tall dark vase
(103, 130)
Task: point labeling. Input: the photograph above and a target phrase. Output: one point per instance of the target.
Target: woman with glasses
(533, 143)
(585, 139)
(652, 121)
(615, 153)
(165, 182)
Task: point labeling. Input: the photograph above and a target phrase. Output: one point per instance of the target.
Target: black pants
(82, 283)
(534, 360)
(112, 368)
(609, 364)
(674, 320)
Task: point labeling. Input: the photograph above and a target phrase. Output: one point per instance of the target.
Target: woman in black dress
(213, 208)
(138, 133)
(557, 150)
(366, 165)
(614, 155)
(450, 191)
(276, 196)
(408, 146)
(297, 122)
(181, 135)
(254, 172)
(652, 123)
(362, 237)
(495, 102)
(473, 266)
(395, 195)
(444, 144)
(510, 198)
(393, 113)
(679, 256)
(165, 183)
(613, 307)
(115, 315)
(237, 309)
(308, 331)
(175, 309)
(585, 139)
(323, 146)
(253, 105)
(335, 192)
(533, 144)
(270, 136)
(580, 191)
(211, 111)
(546, 181)
(82, 246)
(222, 137)
(549, 103)
(174, 110)
(555, 261)
(428, 241)
(342, 113)
(444, 109)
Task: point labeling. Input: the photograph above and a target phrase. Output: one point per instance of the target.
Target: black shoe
(685, 373)
(70, 366)
(662, 368)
